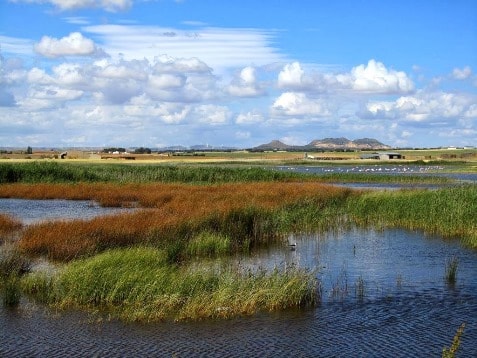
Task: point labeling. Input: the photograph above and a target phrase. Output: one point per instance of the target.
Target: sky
(237, 73)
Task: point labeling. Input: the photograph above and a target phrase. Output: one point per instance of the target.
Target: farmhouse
(382, 156)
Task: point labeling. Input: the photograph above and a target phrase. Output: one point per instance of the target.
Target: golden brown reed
(8, 224)
(167, 209)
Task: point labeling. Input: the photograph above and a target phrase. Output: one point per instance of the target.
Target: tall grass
(53, 172)
(12, 266)
(450, 212)
(452, 265)
(139, 284)
(250, 215)
(8, 226)
(208, 244)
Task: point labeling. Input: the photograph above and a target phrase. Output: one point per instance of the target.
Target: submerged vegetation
(158, 261)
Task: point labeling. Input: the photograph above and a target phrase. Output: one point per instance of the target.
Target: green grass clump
(12, 266)
(450, 212)
(208, 244)
(452, 265)
(139, 284)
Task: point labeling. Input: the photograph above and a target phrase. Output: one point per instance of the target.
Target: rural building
(382, 156)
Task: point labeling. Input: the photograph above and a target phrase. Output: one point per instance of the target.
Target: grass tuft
(139, 284)
(452, 264)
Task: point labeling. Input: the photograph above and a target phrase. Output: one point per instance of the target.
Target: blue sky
(77, 73)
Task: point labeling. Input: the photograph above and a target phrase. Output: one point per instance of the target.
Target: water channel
(383, 294)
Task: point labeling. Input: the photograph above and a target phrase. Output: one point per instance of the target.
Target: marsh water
(32, 211)
(387, 169)
(383, 293)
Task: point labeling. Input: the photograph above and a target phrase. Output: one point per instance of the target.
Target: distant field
(467, 155)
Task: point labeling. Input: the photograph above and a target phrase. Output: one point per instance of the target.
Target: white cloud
(108, 5)
(166, 63)
(462, 73)
(39, 76)
(15, 45)
(48, 97)
(212, 114)
(298, 104)
(249, 118)
(436, 107)
(291, 76)
(77, 20)
(246, 84)
(169, 113)
(376, 78)
(75, 44)
(219, 48)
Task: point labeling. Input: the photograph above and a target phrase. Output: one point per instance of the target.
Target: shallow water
(405, 309)
(32, 211)
(388, 169)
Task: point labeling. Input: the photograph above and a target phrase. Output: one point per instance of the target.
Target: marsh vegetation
(159, 261)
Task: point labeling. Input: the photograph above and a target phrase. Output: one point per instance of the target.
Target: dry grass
(171, 212)
(8, 225)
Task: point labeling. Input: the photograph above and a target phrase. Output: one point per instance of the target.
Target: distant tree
(29, 150)
(142, 150)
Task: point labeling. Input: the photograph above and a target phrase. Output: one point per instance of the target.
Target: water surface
(32, 211)
(406, 309)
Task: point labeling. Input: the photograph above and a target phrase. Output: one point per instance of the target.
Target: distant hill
(328, 144)
(344, 143)
(273, 145)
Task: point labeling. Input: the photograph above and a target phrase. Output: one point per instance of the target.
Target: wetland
(321, 270)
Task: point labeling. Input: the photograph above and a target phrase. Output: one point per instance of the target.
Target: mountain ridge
(341, 143)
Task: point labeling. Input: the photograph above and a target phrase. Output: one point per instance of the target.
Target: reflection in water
(406, 309)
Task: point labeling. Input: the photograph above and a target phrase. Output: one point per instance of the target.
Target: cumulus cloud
(212, 114)
(376, 78)
(108, 5)
(373, 78)
(462, 73)
(48, 97)
(292, 75)
(249, 118)
(299, 104)
(246, 84)
(75, 44)
(116, 82)
(169, 113)
(439, 107)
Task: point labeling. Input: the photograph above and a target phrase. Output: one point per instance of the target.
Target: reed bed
(8, 225)
(12, 266)
(449, 212)
(138, 284)
(53, 172)
(383, 178)
(250, 215)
